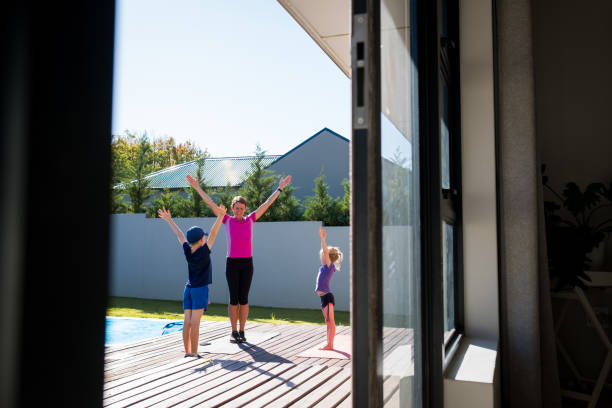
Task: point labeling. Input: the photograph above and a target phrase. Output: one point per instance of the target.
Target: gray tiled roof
(218, 172)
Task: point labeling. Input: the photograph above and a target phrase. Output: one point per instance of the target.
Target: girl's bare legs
(187, 331)
(328, 313)
(196, 314)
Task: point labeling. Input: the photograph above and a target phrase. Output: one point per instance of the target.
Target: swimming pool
(120, 330)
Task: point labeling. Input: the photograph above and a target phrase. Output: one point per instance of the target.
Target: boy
(195, 295)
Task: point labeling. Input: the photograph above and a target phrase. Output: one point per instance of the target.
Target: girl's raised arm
(323, 235)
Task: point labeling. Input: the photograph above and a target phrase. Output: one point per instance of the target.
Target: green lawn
(172, 309)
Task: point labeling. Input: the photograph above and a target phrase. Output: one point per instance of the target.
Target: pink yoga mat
(342, 349)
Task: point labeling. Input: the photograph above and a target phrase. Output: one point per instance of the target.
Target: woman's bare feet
(328, 347)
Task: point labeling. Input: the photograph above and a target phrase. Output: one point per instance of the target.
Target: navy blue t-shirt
(200, 267)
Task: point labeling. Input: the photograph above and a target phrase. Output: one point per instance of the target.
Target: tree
(118, 205)
(198, 207)
(345, 204)
(122, 153)
(225, 196)
(259, 184)
(138, 188)
(396, 190)
(321, 206)
(165, 152)
(168, 200)
(285, 208)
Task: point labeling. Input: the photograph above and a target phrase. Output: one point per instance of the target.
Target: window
(450, 174)
(401, 253)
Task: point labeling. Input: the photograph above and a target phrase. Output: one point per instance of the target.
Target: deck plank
(183, 379)
(325, 389)
(305, 388)
(278, 392)
(255, 383)
(202, 389)
(153, 372)
(336, 397)
(275, 382)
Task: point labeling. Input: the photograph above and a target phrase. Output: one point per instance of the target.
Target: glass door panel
(448, 280)
(400, 207)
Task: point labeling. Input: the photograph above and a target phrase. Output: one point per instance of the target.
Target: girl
(331, 259)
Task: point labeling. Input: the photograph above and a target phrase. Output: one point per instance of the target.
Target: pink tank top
(239, 235)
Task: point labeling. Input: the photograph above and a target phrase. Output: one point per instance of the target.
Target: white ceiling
(328, 22)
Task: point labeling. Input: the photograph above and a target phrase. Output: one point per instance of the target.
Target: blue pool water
(121, 330)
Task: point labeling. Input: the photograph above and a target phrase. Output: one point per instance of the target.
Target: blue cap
(194, 234)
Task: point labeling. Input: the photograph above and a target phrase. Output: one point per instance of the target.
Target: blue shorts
(195, 298)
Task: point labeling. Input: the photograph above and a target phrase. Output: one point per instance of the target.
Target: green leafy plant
(323, 207)
(259, 183)
(572, 234)
(198, 206)
(138, 189)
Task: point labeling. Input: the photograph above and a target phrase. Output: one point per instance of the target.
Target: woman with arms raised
(239, 264)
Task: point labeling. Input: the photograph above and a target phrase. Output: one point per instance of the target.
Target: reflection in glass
(444, 139)
(448, 283)
(400, 209)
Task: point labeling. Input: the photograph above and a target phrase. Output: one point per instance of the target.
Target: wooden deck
(155, 372)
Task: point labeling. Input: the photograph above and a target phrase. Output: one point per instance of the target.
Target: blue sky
(224, 74)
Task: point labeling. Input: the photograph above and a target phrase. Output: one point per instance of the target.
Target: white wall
(147, 261)
(481, 300)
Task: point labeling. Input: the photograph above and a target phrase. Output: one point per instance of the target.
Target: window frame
(449, 69)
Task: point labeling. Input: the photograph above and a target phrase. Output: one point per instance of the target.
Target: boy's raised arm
(166, 216)
(217, 224)
(323, 235)
(195, 183)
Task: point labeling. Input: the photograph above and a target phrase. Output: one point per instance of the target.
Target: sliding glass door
(406, 218)
(401, 278)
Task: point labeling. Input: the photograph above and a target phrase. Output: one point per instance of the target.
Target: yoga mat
(342, 349)
(223, 346)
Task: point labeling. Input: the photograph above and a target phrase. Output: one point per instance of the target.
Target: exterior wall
(148, 262)
(325, 150)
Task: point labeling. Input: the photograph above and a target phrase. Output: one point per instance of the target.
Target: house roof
(218, 172)
(320, 132)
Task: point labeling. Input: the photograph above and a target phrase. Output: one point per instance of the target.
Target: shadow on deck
(154, 372)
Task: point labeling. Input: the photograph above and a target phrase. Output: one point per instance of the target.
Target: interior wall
(573, 63)
(478, 170)
(573, 83)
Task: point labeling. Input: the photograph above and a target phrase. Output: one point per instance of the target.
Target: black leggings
(239, 274)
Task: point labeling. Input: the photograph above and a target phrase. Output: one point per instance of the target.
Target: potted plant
(571, 235)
